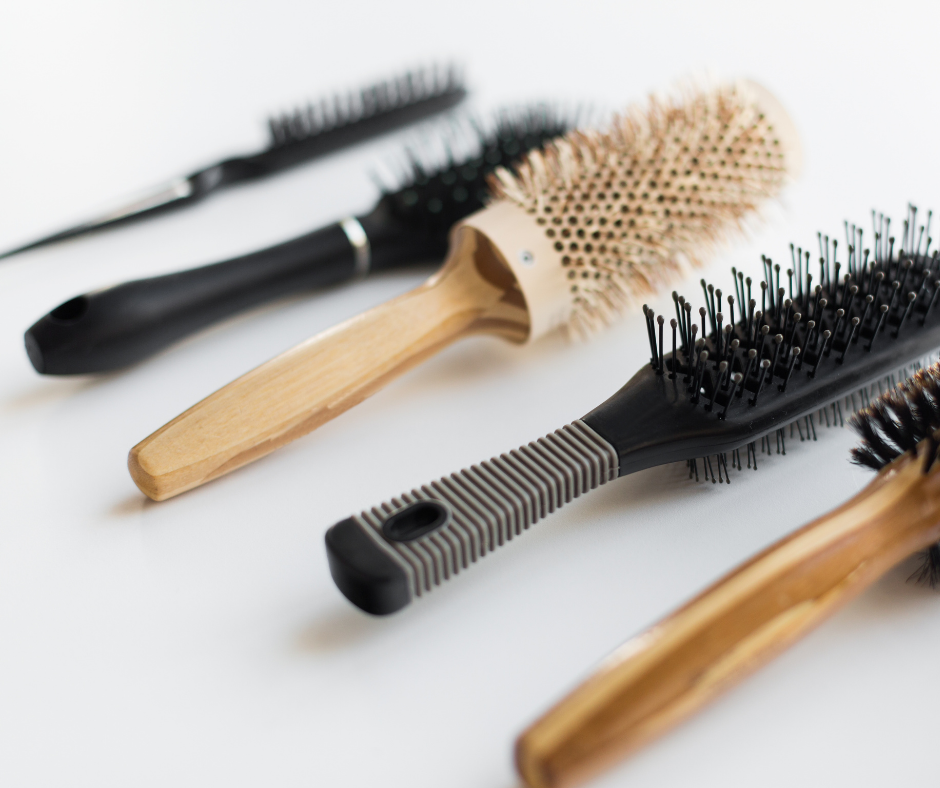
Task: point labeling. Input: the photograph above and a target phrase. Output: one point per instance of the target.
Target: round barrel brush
(583, 227)
(743, 621)
(789, 357)
(117, 326)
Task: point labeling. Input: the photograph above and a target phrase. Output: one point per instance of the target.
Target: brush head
(767, 354)
(443, 181)
(897, 423)
(435, 85)
(621, 209)
(441, 187)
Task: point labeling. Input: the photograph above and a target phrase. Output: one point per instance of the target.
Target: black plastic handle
(113, 328)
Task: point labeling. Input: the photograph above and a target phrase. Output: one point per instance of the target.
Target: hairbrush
(301, 135)
(593, 220)
(749, 373)
(117, 326)
(760, 608)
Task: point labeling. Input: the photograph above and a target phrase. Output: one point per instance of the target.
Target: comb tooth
(722, 369)
(883, 310)
(853, 291)
(787, 305)
(855, 322)
(764, 330)
(762, 375)
(840, 314)
(659, 322)
(911, 298)
(674, 324)
(822, 340)
(794, 355)
(648, 314)
(778, 341)
(736, 379)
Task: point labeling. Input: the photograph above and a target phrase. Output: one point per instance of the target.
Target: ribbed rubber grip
(433, 533)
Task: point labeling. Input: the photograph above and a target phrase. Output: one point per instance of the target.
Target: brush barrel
(112, 328)
(739, 624)
(405, 547)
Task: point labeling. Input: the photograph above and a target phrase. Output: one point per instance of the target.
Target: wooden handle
(319, 379)
(740, 623)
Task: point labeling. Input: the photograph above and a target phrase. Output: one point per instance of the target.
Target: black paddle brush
(112, 328)
(740, 369)
(295, 137)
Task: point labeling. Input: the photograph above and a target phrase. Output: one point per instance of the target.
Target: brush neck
(523, 249)
(651, 422)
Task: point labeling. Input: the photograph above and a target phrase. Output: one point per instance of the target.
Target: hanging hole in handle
(415, 521)
(71, 310)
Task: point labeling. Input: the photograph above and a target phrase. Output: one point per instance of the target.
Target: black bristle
(438, 190)
(739, 361)
(406, 94)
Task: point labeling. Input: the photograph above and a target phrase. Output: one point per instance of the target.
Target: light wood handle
(321, 378)
(740, 623)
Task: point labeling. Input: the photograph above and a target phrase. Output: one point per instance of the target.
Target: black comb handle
(405, 547)
(112, 328)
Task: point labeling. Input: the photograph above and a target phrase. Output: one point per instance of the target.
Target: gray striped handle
(403, 548)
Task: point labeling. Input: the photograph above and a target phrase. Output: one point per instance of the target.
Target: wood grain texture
(734, 627)
(321, 378)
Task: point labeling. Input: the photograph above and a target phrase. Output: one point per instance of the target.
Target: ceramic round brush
(584, 226)
(748, 617)
(305, 134)
(785, 358)
(111, 328)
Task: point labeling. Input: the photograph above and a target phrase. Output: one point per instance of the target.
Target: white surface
(201, 641)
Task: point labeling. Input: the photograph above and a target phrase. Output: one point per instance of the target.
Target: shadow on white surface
(340, 627)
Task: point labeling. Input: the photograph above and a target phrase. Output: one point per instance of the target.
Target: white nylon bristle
(665, 183)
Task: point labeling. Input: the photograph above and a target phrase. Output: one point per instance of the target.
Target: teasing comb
(512, 271)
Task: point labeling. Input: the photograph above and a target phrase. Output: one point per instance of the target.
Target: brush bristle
(443, 185)
(779, 339)
(896, 423)
(410, 89)
(664, 184)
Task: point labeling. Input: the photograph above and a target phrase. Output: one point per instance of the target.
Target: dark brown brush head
(896, 423)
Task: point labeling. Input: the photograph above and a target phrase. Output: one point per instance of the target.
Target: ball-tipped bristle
(624, 207)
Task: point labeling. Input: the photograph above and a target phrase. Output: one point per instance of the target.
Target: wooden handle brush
(748, 617)
(586, 225)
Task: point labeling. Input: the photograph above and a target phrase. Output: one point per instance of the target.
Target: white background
(201, 641)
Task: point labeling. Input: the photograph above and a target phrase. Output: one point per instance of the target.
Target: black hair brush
(781, 353)
(745, 619)
(118, 326)
(302, 135)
